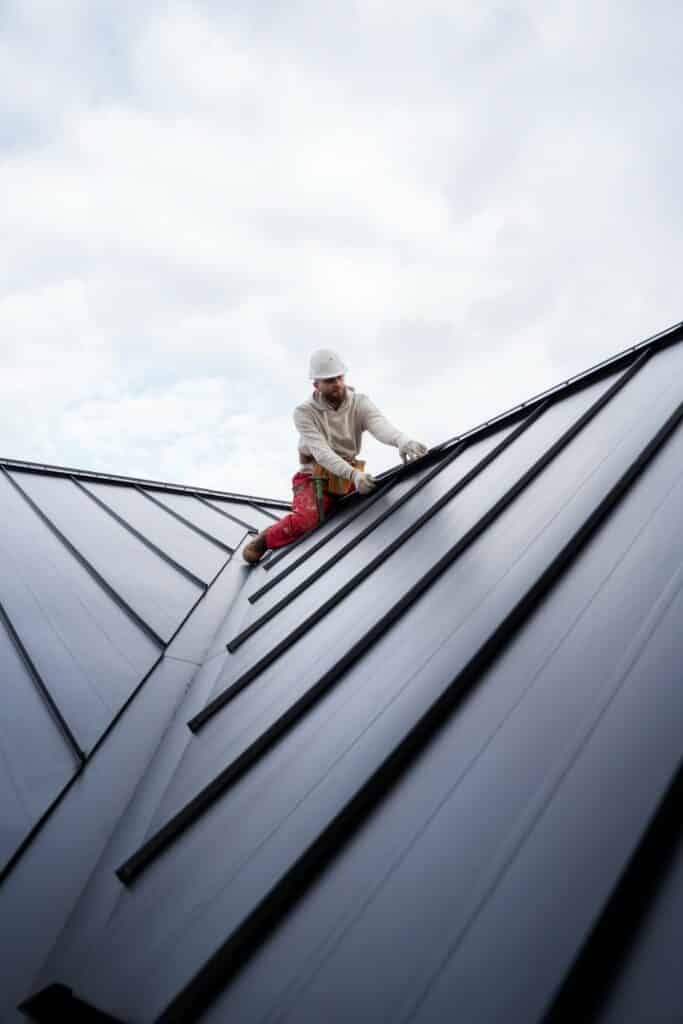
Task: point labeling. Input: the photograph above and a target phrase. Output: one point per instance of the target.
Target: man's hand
(363, 482)
(411, 450)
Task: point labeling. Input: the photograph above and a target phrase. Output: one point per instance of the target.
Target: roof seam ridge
(87, 565)
(187, 573)
(350, 545)
(186, 522)
(362, 506)
(228, 515)
(41, 686)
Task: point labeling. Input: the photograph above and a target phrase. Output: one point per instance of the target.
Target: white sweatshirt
(333, 436)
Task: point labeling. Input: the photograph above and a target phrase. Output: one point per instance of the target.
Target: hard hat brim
(329, 376)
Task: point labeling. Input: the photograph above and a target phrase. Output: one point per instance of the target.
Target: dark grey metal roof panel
(28, 784)
(270, 513)
(609, 816)
(89, 652)
(201, 638)
(631, 960)
(239, 514)
(191, 550)
(188, 839)
(394, 666)
(86, 701)
(160, 595)
(648, 972)
(257, 517)
(448, 709)
(104, 891)
(40, 900)
(374, 929)
(83, 475)
(202, 516)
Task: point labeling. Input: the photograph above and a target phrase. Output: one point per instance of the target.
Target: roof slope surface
(420, 748)
(97, 579)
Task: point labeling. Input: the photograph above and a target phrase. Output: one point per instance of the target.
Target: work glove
(363, 482)
(411, 450)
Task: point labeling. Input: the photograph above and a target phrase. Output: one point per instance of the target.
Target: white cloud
(472, 202)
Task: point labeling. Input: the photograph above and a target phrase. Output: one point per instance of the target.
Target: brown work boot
(255, 549)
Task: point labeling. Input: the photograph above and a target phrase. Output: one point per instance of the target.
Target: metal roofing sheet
(192, 551)
(159, 594)
(88, 650)
(431, 718)
(258, 518)
(202, 516)
(275, 505)
(239, 514)
(636, 965)
(520, 521)
(27, 784)
(596, 471)
(451, 828)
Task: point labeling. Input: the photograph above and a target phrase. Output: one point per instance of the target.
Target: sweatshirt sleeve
(318, 446)
(379, 426)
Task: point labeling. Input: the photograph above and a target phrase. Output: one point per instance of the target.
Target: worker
(330, 425)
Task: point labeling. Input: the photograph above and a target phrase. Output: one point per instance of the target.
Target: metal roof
(99, 575)
(411, 768)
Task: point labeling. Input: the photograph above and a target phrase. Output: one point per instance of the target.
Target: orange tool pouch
(336, 485)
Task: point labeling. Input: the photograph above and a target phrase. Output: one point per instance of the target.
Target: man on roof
(330, 426)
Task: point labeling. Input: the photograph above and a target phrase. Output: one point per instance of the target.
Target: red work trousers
(304, 515)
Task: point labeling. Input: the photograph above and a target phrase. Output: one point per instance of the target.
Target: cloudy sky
(471, 202)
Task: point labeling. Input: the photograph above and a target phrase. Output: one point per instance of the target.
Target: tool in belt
(326, 481)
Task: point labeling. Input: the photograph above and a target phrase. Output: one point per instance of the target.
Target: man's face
(333, 389)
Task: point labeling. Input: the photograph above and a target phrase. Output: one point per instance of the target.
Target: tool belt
(336, 485)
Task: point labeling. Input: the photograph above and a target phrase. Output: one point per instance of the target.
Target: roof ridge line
(611, 363)
(95, 475)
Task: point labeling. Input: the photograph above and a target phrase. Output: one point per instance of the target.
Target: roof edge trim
(113, 478)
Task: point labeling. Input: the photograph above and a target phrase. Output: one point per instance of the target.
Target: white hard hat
(325, 364)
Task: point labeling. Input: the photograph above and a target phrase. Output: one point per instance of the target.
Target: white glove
(411, 450)
(363, 482)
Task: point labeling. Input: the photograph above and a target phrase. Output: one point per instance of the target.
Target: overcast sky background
(471, 202)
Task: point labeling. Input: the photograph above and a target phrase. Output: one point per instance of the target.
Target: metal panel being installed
(427, 752)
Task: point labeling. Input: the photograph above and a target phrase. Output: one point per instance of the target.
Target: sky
(469, 202)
